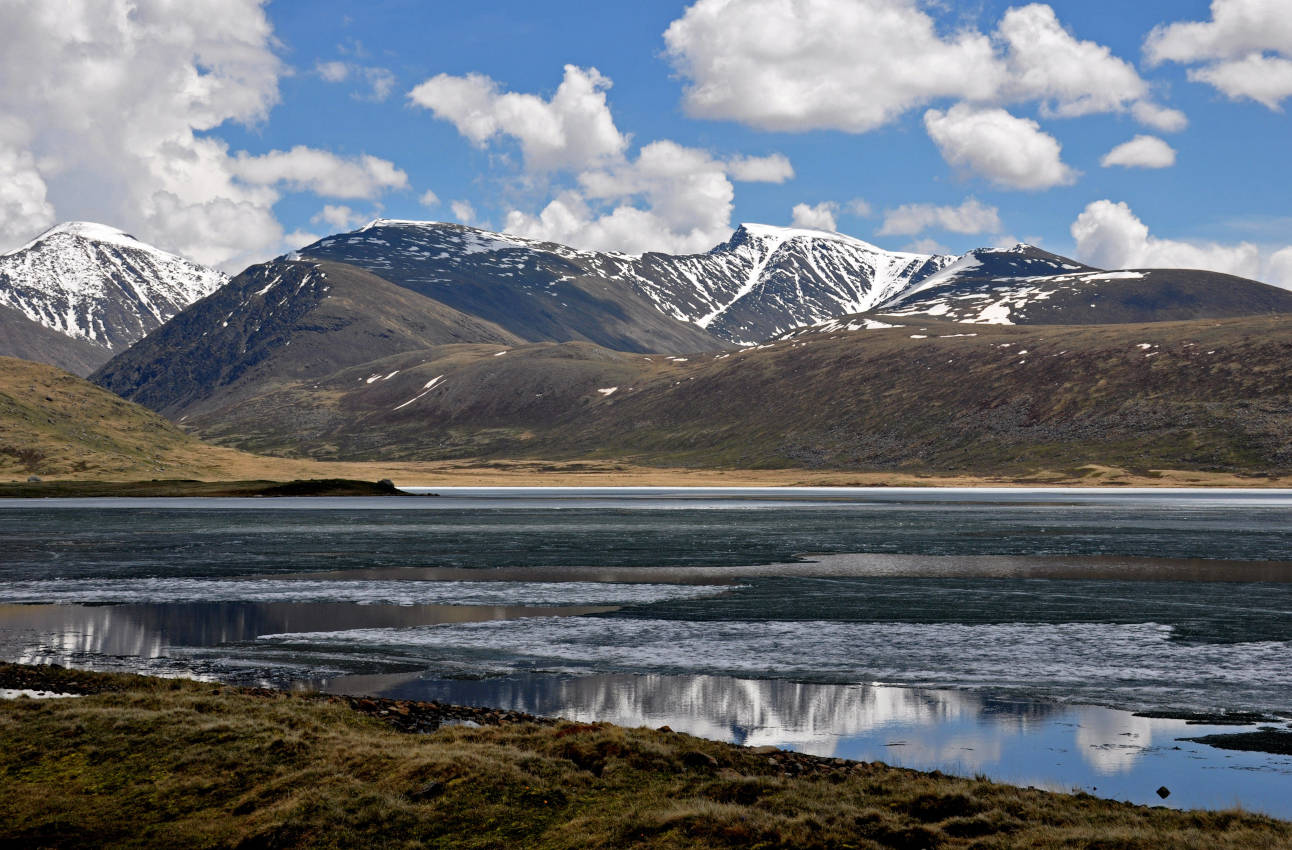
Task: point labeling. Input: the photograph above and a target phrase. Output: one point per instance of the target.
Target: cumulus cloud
(1068, 76)
(685, 196)
(1264, 79)
(1247, 48)
(109, 106)
(464, 212)
(338, 217)
(572, 129)
(1160, 117)
(24, 210)
(429, 199)
(971, 216)
(775, 168)
(796, 65)
(598, 194)
(854, 65)
(860, 207)
(1140, 152)
(1011, 152)
(333, 72)
(308, 169)
(820, 216)
(1109, 235)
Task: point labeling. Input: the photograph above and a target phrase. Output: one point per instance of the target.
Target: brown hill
(936, 397)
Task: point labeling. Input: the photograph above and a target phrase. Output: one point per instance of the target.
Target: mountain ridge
(99, 284)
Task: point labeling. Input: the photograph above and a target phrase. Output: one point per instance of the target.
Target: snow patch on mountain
(97, 283)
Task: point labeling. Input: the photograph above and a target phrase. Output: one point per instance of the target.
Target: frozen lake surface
(1010, 632)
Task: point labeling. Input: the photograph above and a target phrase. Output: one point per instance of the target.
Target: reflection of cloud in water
(1112, 741)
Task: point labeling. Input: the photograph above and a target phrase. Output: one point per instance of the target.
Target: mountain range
(421, 340)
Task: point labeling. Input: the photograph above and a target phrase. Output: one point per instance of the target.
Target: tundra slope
(928, 397)
(99, 285)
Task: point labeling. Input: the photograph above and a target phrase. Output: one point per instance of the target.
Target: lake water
(1005, 632)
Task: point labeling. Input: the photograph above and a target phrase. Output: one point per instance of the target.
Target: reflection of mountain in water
(65, 633)
(808, 717)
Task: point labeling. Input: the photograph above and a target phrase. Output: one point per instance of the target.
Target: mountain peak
(95, 282)
(784, 234)
(88, 230)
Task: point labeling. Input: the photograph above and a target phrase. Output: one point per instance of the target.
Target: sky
(1122, 134)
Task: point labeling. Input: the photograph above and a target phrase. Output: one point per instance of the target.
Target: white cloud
(971, 216)
(775, 168)
(309, 169)
(1264, 79)
(380, 81)
(1069, 77)
(1109, 235)
(854, 65)
(24, 210)
(821, 216)
(572, 130)
(1278, 269)
(687, 205)
(1013, 153)
(798, 65)
(338, 217)
(668, 197)
(1140, 152)
(1237, 28)
(1160, 117)
(1235, 44)
(464, 212)
(860, 207)
(429, 199)
(333, 72)
(109, 107)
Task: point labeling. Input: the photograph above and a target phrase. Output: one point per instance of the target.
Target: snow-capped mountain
(762, 281)
(96, 283)
(1024, 285)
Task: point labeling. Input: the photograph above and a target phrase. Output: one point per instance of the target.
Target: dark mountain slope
(22, 338)
(282, 321)
(1026, 286)
(538, 291)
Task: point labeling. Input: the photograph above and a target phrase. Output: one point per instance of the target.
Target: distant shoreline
(365, 479)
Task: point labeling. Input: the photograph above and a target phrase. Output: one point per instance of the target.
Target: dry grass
(171, 763)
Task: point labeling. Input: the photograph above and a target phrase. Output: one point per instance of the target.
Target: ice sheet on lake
(181, 590)
(1136, 665)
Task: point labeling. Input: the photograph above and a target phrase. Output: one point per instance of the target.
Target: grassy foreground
(147, 762)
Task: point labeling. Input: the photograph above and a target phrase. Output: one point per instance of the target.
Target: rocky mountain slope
(537, 291)
(282, 321)
(765, 281)
(1024, 285)
(762, 281)
(22, 338)
(100, 285)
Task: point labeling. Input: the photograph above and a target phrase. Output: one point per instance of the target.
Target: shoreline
(173, 760)
(375, 479)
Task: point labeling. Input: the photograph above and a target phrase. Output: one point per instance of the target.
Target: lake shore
(242, 477)
(161, 762)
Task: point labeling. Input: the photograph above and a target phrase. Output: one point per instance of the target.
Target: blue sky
(945, 134)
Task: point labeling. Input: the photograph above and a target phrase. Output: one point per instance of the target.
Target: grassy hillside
(166, 763)
(932, 398)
